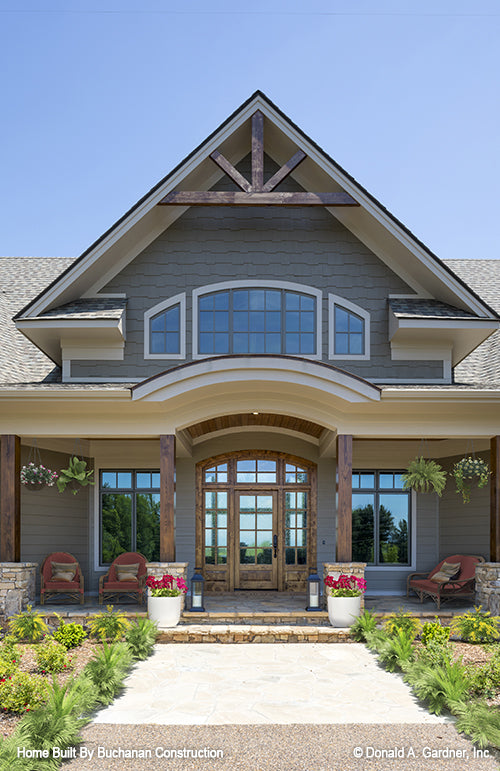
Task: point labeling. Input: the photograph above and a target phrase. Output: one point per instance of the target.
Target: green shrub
(109, 625)
(8, 667)
(364, 625)
(435, 632)
(476, 626)
(485, 679)
(441, 686)
(435, 653)
(9, 649)
(9, 761)
(70, 635)
(51, 656)
(140, 637)
(108, 669)
(478, 720)
(406, 621)
(397, 650)
(28, 626)
(22, 692)
(375, 640)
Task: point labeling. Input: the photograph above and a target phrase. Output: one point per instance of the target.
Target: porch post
(167, 489)
(10, 498)
(495, 500)
(344, 498)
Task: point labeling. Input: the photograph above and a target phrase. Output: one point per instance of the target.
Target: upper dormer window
(349, 330)
(165, 329)
(256, 320)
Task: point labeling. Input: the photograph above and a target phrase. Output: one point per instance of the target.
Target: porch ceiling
(224, 422)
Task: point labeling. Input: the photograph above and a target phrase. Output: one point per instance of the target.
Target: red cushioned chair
(458, 588)
(111, 586)
(51, 586)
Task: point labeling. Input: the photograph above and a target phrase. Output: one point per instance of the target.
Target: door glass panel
(215, 526)
(264, 537)
(296, 528)
(265, 521)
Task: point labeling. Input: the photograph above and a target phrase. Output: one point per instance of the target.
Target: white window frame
(178, 299)
(260, 284)
(333, 301)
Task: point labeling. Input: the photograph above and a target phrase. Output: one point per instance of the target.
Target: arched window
(165, 329)
(349, 330)
(256, 319)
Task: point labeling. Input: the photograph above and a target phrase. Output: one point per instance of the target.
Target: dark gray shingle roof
(419, 309)
(93, 308)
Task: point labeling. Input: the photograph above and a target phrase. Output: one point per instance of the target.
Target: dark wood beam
(495, 500)
(285, 170)
(10, 498)
(223, 198)
(257, 151)
(167, 490)
(228, 168)
(344, 498)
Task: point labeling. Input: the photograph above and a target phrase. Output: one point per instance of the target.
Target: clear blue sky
(101, 98)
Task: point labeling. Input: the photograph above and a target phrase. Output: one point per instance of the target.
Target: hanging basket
(424, 476)
(35, 476)
(75, 476)
(468, 472)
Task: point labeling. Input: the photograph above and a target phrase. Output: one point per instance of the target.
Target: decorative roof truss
(256, 193)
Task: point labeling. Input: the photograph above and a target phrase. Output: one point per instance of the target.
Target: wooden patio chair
(457, 585)
(60, 574)
(126, 576)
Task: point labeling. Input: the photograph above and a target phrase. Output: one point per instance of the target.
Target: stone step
(253, 633)
(259, 618)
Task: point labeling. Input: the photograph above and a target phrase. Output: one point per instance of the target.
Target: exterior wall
(207, 245)
(53, 521)
(464, 528)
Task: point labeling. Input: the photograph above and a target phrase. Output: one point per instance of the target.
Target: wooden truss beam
(223, 198)
(256, 193)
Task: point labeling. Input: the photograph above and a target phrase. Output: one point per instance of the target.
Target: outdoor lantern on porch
(313, 591)
(197, 582)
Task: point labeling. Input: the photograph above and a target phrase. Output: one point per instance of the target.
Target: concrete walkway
(282, 684)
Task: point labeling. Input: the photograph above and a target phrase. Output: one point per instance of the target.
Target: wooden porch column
(167, 489)
(10, 498)
(344, 498)
(495, 500)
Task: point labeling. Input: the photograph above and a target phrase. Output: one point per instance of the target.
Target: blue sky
(101, 98)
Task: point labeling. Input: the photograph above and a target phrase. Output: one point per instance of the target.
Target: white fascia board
(64, 393)
(486, 394)
(438, 323)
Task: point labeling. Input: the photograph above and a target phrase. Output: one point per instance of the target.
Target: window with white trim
(165, 329)
(257, 320)
(349, 330)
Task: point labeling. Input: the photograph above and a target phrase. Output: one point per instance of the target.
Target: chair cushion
(127, 572)
(448, 571)
(64, 571)
(121, 586)
(65, 586)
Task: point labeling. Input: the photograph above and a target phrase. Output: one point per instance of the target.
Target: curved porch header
(290, 370)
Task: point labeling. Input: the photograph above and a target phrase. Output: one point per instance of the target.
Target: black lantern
(313, 591)
(197, 582)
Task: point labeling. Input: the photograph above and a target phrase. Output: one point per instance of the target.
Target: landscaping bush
(441, 686)
(409, 624)
(397, 650)
(435, 632)
(363, 626)
(485, 679)
(28, 626)
(70, 635)
(140, 638)
(479, 721)
(51, 656)
(109, 625)
(107, 670)
(21, 692)
(476, 626)
(9, 649)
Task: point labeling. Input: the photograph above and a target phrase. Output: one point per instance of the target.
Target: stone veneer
(17, 586)
(488, 586)
(348, 568)
(176, 569)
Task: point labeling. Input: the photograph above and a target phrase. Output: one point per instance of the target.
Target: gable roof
(428, 276)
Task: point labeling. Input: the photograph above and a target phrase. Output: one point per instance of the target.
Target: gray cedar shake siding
(207, 245)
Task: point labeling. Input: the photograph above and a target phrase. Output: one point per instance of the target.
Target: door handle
(275, 544)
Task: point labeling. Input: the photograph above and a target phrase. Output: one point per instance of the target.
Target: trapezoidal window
(349, 330)
(165, 329)
(260, 321)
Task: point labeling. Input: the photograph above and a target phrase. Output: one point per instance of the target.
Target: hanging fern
(424, 476)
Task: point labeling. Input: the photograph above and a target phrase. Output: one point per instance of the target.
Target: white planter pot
(165, 611)
(343, 611)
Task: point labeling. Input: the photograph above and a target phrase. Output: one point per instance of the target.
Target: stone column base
(488, 586)
(176, 569)
(336, 569)
(17, 586)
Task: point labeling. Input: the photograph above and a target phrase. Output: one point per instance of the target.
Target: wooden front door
(256, 534)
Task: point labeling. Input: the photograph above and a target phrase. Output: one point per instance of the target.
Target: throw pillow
(63, 571)
(127, 572)
(449, 571)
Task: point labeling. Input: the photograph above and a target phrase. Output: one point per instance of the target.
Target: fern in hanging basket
(466, 472)
(424, 476)
(75, 476)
